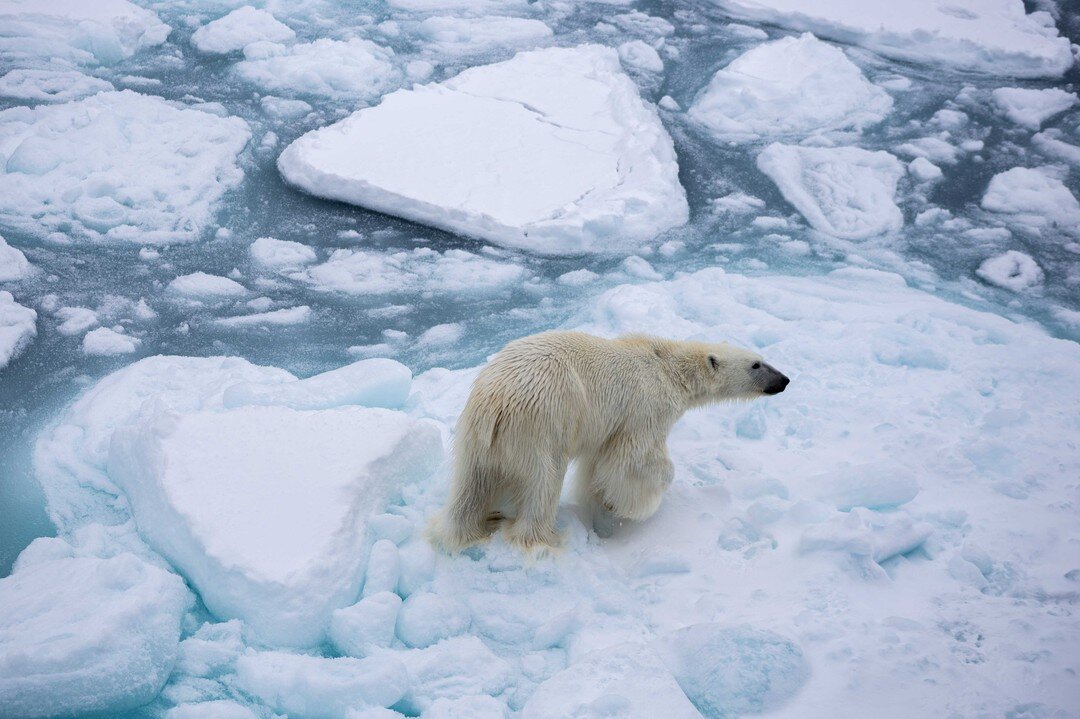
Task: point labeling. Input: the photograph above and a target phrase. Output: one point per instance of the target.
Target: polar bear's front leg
(628, 480)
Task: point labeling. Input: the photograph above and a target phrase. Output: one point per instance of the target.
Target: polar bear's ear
(713, 362)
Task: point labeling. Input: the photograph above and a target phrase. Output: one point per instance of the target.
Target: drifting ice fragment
(1031, 108)
(1033, 198)
(1013, 270)
(335, 69)
(108, 342)
(792, 87)
(553, 151)
(13, 263)
(238, 29)
(846, 192)
(18, 326)
(50, 85)
(211, 491)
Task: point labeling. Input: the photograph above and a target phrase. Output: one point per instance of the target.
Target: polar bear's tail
(469, 515)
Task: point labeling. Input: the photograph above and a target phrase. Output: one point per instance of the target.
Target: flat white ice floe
(107, 342)
(846, 192)
(13, 263)
(458, 36)
(203, 287)
(995, 37)
(18, 326)
(50, 85)
(84, 33)
(1033, 198)
(238, 29)
(1012, 270)
(789, 88)
(117, 166)
(82, 634)
(1031, 108)
(275, 254)
(553, 151)
(334, 69)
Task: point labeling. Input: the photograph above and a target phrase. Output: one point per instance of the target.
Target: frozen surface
(13, 263)
(211, 490)
(455, 36)
(1031, 108)
(239, 29)
(77, 32)
(203, 287)
(789, 88)
(995, 37)
(334, 69)
(18, 326)
(1013, 270)
(117, 166)
(82, 634)
(553, 152)
(1034, 198)
(846, 192)
(280, 254)
(107, 341)
(50, 85)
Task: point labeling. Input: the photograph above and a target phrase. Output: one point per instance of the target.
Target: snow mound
(369, 623)
(553, 151)
(73, 31)
(452, 669)
(789, 88)
(1012, 270)
(1033, 198)
(277, 254)
(18, 326)
(362, 272)
(461, 36)
(211, 490)
(846, 192)
(116, 166)
(995, 37)
(83, 634)
(202, 287)
(238, 29)
(107, 342)
(13, 263)
(50, 85)
(1031, 108)
(375, 382)
(334, 69)
(732, 671)
(627, 680)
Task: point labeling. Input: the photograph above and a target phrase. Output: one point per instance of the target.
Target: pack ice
(18, 326)
(117, 166)
(995, 37)
(553, 151)
(792, 87)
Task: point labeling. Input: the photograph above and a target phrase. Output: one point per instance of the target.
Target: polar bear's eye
(756, 365)
(715, 363)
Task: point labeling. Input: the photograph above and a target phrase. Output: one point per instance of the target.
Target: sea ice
(283, 317)
(371, 622)
(427, 618)
(83, 634)
(460, 36)
(376, 382)
(452, 669)
(210, 491)
(50, 85)
(789, 88)
(357, 70)
(1031, 108)
(200, 287)
(72, 31)
(1033, 198)
(18, 326)
(846, 192)
(276, 254)
(639, 55)
(238, 29)
(116, 166)
(219, 709)
(105, 341)
(996, 37)
(1012, 270)
(553, 151)
(627, 680)
(13, 263)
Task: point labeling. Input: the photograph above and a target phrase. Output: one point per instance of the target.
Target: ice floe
(996, 37)
(13, 263)
(553, 151)
(846, 192)
(459, 36)
(200, 287)
(273, 318)
(1031, 108)
(239, 29)
(1033, 198)
(277, 254)
(335, 69)
(117, 166)
(82, 634)
(84, 33)
(50, 85)
(1013, 270)
(18, 326)
(105, 341)
(789, 88)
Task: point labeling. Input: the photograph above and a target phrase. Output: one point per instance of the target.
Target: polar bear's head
(722, 372)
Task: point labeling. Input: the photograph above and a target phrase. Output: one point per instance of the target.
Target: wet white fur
(550, 398)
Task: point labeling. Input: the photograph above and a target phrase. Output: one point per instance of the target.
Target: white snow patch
(107, 342)
(552, 151)
(846, 192)
(280, 254)
(203, 287)
(1033, 198)
(1031, 108)
(789, 88)
(334, 69)
(116, 166)
(238, 29)
(18, 326)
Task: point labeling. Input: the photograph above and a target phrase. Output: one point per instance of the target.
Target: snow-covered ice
(239, 29)
(13, 263)
(457, 36)
(280, 254)
(108, 342)
(72, 31)
(1033, 198)
(116, 166)
(1013, 270)
(354, 69)
(18, 326)
(202, 287)
(996, 37)
(846, 192)
(789, 88)
(552, 151)
(50, 85)
(1031, 108)
(83, 634)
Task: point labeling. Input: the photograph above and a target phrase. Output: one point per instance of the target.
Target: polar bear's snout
(770, 379)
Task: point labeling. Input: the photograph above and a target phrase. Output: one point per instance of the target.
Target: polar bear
(609, 404)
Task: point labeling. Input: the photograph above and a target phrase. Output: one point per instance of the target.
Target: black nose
(777, 385)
